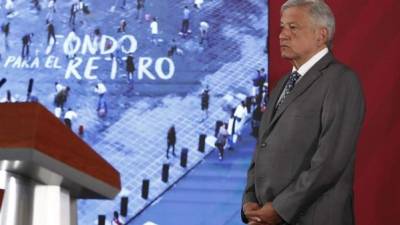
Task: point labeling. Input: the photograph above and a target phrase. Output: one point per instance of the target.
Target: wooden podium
(45, 168)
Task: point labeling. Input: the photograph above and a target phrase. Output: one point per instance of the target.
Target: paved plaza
(132, 137)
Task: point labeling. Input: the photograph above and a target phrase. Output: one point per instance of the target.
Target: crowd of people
(77, 19)
(227, 133)
(251, 107)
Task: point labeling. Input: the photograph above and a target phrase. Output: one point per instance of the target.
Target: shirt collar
(311, 62)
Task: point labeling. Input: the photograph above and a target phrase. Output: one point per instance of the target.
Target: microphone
(30, 87)
(2, 82)
(9, 96)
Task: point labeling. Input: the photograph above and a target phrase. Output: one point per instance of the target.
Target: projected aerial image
(142, 81)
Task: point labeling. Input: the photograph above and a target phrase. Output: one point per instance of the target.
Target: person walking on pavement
(116, 220)
(26, 42)
(140, 9)
(51, 34)
(101, 89)
(122, 26)
(61, 97)
(123, 5)
(173, 48)
(171, 140)
(72, 14)
(154, 31)
(198, 3)
(204, 27)
(185, 22)
(205, 101)
(239, 117)
(221, 140)
(5, 28)
(36, 5)
(51, 6)
(130, 67)
(51, 37)
(69, 116)
(9, 7)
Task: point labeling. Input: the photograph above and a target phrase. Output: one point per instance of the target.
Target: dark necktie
(288, 87)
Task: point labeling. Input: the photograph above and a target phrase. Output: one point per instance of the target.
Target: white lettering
(52, 62)
(71, 68)
(56, 64)
(90, 67)
(72, 44)
(89, 45)
(9, 60)
(17, 63)
(108, 45)
(24, 64)
(133, 44)
(114, 66)
(35, 63)
(144, 64)
(49, 62)
(159, 68)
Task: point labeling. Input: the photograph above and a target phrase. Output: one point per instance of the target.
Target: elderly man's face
(299, 37)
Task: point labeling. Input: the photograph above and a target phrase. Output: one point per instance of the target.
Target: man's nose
(283, 35)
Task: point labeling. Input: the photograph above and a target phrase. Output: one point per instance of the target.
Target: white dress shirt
(303, 69)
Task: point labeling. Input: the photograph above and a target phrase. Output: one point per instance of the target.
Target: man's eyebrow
(289, 23)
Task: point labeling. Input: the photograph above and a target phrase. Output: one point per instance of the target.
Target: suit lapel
(275, 96)
(268, 115)
(305, 82)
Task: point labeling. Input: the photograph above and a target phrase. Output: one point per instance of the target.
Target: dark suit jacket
(304, 159)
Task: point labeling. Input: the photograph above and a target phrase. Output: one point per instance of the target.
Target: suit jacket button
(263, 145)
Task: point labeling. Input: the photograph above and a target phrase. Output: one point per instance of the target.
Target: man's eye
(293, 27)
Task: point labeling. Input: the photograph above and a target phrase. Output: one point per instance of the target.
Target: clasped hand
(257, 215)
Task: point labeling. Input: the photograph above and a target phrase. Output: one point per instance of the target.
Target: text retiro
(99, 49)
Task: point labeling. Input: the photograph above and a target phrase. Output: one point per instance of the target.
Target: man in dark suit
(302, 167)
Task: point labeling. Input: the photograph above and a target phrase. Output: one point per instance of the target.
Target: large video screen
(121, 73)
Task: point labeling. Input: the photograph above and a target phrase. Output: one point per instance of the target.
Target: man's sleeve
(249, 194)
(341, 120)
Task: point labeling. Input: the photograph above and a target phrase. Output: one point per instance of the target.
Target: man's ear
(322, 36)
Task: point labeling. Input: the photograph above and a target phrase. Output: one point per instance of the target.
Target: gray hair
(320, 13)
